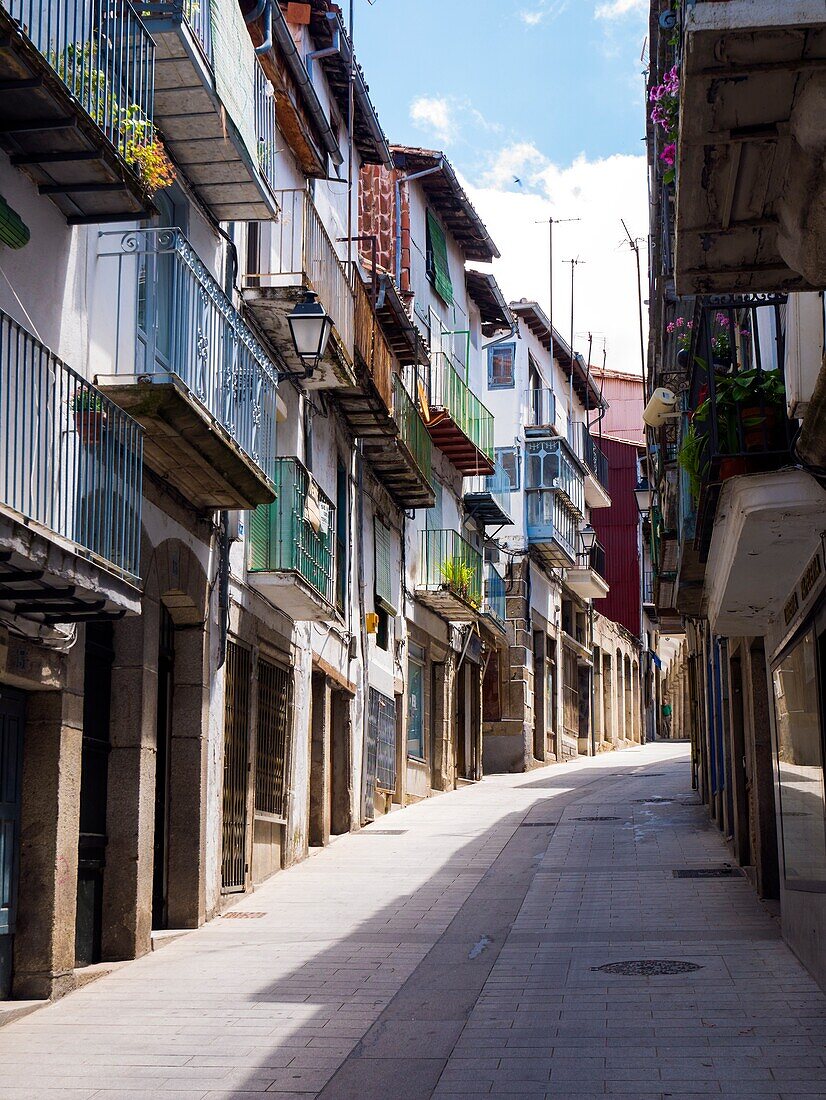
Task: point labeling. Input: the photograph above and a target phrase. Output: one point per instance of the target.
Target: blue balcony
(487, 499)
(70, 490)
(188, 368)
(214, 106)
(495, 602)
(554, 500)
(77, 80)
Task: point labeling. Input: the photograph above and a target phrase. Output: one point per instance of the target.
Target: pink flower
(722, 320)
(669, 154)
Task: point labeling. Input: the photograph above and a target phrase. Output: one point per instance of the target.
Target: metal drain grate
(649, 775)
(380, 832)
(538, 824)
(241, 915)
(648, 968)
(708, 872)
(655, 800)
(575, 819)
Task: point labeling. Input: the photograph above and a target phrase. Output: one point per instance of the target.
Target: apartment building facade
(737, 336)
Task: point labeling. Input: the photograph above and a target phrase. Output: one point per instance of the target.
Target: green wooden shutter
(437, 255)
(384, 575)
(13, 230)
(260, 528)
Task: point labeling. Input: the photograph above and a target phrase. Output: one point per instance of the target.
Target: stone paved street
(453, 949)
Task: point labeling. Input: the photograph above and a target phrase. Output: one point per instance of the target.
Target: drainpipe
(399, 182)
(330, 51)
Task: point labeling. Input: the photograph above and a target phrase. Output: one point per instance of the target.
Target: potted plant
(682, 329)
(89, 416)
(458, 576)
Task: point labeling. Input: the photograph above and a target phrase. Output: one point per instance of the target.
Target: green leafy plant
(693, 457)
(460, 575)
(87, 401)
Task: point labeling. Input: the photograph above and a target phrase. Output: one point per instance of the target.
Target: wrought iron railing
(412, 428)
(296, 534)
(303, 251)
(648, 586)
(104, 55)
(541, 409)
(187, 326)
(497, 486)
(445, 389)
(592, 456)
(495, 597)
(266, 128)
(550, 519)
(194, 14)
(72, 460)
(593, 559)
(449, 561)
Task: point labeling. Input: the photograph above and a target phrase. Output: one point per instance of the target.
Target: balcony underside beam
(468, 459)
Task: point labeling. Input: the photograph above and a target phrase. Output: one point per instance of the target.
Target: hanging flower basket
(90, 418)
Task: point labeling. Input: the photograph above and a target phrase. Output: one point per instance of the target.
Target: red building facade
(617, 529)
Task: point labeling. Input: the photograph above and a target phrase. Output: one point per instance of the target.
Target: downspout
(399, 182)
(276, 32)
(329, 51)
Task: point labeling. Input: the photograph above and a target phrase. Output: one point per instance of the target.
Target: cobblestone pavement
(454, 949)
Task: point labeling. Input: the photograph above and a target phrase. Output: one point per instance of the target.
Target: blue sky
(563, 74)
(551, 92)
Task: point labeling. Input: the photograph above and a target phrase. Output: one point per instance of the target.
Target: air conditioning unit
(493, 555)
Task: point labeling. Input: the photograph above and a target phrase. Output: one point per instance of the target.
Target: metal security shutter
(382, 720)
(236, 767)
(384, 575)
(438, 269)
(275, 705)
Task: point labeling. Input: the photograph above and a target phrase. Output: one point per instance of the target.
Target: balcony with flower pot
(450, 576)
(78, 106)
(70, 490)
(747, 149)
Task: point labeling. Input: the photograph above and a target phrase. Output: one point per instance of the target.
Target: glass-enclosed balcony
(550, 464)
(554, 499)
(188, 368)
(292, 557)
(70, 489)
(488, 499)
(458, 422)
(541, 411)
(450, 576)
(77, 82)
(495, 603)
(214, 106)
(296, 253)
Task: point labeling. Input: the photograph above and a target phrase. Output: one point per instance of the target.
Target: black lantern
(310, 328)
(642, 493)
(588, 537)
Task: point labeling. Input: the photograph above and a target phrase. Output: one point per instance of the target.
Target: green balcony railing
(412, 428)
(446, 390)
(296, 534)
(449, 561)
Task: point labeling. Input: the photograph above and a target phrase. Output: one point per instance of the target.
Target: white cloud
(434, 114)
(616, 9)
(600, 192)
(544, 10)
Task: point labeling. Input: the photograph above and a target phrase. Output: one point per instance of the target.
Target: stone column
(44, 945)
(130, 816)
(443, 714)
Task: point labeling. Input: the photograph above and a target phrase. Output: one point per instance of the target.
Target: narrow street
(453, 949)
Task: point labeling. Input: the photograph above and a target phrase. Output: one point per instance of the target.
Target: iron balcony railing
(449, 561)
(303, 252)
(592, 456)
(497, 486)
(265, 126)
(541, 409)
(186, 326)
(296, 534)
(196, 15)
(593, 559)
(495, 598)
(412, 428)
(446, 390)
(550, 519)
(72, 460)
(105, 56)
(648, 586)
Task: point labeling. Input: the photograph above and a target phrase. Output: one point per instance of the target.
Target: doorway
(166, 684)
(236, 768)
(12, 720)
(94, 775)
(341, 816)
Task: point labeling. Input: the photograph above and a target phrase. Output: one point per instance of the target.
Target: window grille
(275, 705)
(236, 767)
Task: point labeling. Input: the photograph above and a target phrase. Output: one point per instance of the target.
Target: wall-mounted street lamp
(642, 493)
(588, 538)
(310, 328)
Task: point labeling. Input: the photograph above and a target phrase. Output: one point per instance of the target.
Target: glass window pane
(415, 710)
(800, 763)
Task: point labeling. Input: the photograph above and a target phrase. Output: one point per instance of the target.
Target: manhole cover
(241, 915)
(597, 819)
(537, 824)
(650, 775)
(709, 872)
(655, 800)
(648, 968)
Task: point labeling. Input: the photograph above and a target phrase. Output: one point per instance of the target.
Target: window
(510, 459)
(383, 568)
(275, 695)
(800, 761)
(415, 702)
(381, 720)
(383, 630)
(501, 360)
(438, 271)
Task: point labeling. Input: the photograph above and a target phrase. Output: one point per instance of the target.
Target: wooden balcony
(458, 422)
(75, 90)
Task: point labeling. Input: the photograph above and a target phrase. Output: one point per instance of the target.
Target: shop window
(415, 702)
(501, 359)
(798, 681)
